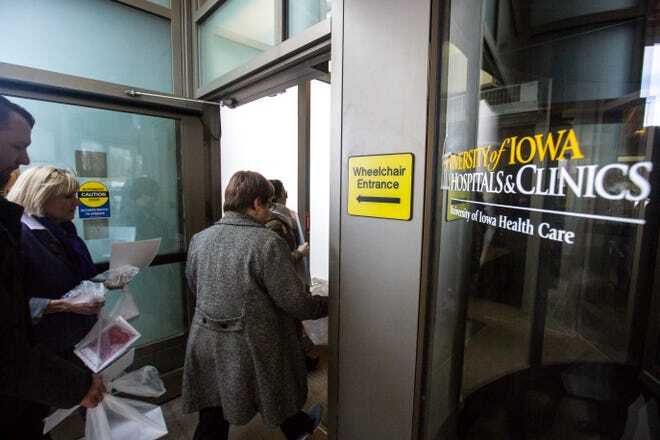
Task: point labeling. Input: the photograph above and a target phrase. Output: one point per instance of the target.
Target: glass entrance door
(546, 222)
(137, 158)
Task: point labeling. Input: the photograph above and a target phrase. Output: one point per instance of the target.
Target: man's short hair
(7, 108)
(244, 188)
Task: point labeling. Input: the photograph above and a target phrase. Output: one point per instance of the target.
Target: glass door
(136, 157)
(546, 222)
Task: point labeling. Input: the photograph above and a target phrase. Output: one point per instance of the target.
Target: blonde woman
(55, 259)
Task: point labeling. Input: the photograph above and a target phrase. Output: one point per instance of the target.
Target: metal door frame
(195, 144)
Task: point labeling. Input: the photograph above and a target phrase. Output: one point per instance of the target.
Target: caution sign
(94, 200)
(381, 186)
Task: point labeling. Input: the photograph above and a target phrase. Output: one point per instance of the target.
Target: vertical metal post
(281, 18)
(285, 20)
(430, 235)
(188, 31)
(304, 99)
(379, 259)
(178, 39)
(334, 243)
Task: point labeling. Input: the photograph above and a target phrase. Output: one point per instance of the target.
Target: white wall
(319, 196)
(262, 136)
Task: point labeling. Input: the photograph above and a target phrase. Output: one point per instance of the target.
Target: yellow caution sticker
(381, 186)
(94, 200)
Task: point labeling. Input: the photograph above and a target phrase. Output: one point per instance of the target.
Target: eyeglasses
(55, 171)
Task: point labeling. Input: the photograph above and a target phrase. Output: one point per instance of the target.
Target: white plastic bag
(144, 382)
(119, 278)
(121, 418)
(87, 292)
(126, 307)
(106, 341)
(126, 419)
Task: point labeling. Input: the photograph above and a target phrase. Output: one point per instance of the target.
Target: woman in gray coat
(243, 354)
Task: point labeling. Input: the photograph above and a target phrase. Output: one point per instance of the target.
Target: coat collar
(10, 218)
(44, 236)
(282, 213)
(238, 219)
(31, 222)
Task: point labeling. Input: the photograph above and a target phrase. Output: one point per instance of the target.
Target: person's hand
(303, 249)
(114, 284)
(119, 277)
(86, 308)
(95, 394)
(58, 305)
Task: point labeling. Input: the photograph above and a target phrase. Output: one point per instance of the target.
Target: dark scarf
(75, 248)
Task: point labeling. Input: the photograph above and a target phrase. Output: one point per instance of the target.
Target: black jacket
(28, 374)
(50, 274)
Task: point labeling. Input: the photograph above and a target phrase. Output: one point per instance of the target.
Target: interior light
(650, 88)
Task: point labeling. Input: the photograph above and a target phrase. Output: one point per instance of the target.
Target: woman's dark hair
(244, 188)
(278, 187)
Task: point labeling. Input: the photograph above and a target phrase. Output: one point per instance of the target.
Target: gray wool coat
(243, 352)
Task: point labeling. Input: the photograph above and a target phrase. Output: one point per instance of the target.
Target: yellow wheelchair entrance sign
(381, 186)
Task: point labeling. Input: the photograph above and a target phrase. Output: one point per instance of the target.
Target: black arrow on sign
(370, 199)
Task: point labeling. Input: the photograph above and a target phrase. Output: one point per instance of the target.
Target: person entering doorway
(286, 223)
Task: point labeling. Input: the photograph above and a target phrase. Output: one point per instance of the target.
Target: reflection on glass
(651, 85)
(97, 39)
(574, 271)
(234, 34)
(542, 11)
(546, 187)
(490, 16)
(135, 156)
(305, 13)
(158, 293)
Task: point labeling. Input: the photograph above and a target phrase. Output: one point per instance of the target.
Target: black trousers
(213, 426)
(29, 424)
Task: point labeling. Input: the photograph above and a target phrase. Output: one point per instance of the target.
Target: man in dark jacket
(30, 379)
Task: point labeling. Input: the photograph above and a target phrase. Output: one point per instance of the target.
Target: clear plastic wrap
(87, 292)
(144, 382)
(119, 278)
(106, 341)
(126, 307)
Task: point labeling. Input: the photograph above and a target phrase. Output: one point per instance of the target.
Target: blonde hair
(37, 185)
